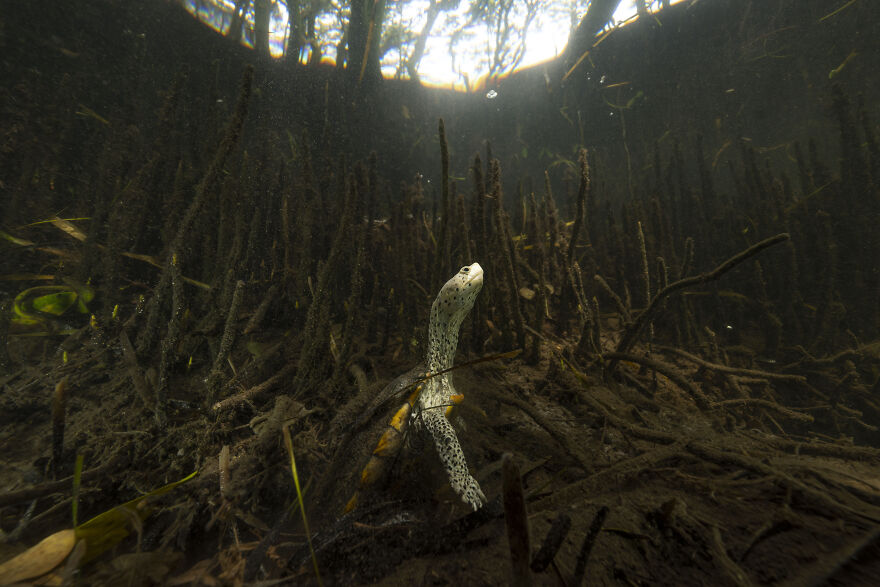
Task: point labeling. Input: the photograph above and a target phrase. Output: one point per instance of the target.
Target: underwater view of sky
(456, 54)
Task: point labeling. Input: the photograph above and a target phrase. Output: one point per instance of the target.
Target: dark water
(205, 249)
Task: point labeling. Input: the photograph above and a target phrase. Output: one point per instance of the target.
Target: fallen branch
(633, 330)
(620, 474)
(619, 423)
(763, 403)
(574, 451)
(833, 507)
(823, 449)
(252, 392)
(732, 370)
(63, 485)
(587, 545)
(733, 571)
(666, 370)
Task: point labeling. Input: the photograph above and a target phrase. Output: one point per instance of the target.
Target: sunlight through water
(461, 51)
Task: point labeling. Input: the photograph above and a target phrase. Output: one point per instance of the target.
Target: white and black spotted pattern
(455, 300)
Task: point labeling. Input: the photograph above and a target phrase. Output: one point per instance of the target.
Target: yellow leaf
(106, 530)
(55, 304)
(40, 558)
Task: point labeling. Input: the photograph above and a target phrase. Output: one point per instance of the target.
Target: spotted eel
(455, 300)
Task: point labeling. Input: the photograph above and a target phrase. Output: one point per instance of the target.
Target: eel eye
(465, 269)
